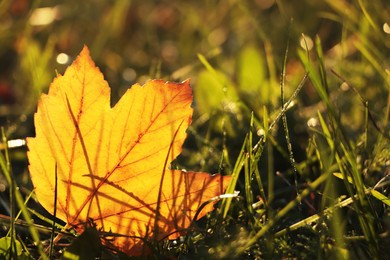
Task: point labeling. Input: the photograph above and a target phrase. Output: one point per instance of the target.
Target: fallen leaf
(111, 165)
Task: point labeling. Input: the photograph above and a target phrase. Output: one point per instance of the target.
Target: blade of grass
(233, 182)
(381, 197)
(5, 220)
(256, 169)
(343, 203)
(348, 165)
(45, 219)
(373, 60)
(284, 119)
(54, 214)
(20, 212)
(11, 233)
(314, 218)
(367, 15)
(20, 202)
(247, 175)
(251, 168)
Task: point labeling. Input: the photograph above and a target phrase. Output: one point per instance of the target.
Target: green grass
(303, 132)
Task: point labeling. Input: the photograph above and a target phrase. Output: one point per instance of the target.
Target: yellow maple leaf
(111, 165)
